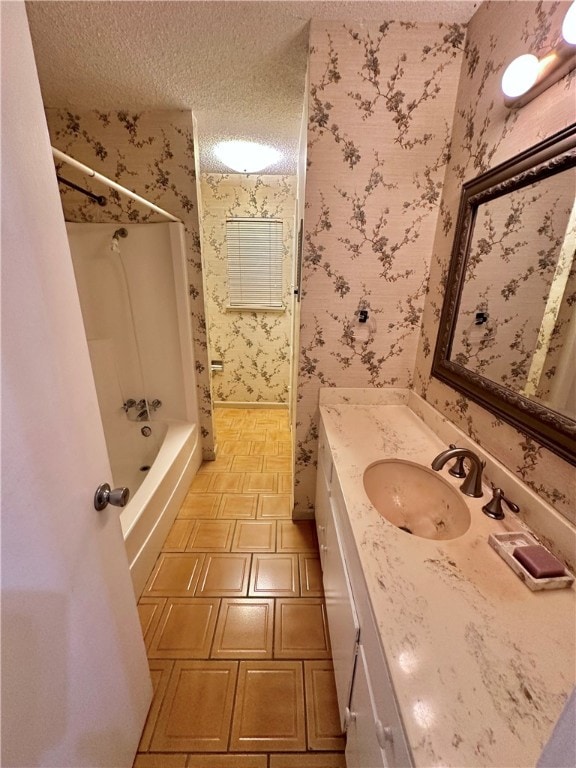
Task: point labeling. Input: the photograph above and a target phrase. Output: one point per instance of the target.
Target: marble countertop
(481, 665)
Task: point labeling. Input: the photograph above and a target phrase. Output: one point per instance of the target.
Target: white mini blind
(254, 248)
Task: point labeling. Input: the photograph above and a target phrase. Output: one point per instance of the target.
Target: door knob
(349, 717)
(105, 495)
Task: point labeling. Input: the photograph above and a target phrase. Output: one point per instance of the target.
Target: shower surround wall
(485, 134)
(151, 153)
(381, 104)
(255, 347)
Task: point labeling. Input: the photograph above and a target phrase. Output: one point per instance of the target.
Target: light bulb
(520, 75)
(569, 25)
(246, 156)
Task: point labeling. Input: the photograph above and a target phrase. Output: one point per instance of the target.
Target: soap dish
(506, 543)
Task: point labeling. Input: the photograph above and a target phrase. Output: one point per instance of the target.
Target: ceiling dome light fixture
(246, 156)
(527, 76)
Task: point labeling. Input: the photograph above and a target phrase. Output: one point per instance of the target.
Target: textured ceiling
(238, 65)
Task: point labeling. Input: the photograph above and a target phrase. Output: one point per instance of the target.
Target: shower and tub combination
(132, 285)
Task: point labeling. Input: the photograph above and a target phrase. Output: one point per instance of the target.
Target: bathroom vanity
(442, 655)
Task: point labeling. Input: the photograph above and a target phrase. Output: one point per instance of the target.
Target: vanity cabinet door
(364, 732)
(342, 618)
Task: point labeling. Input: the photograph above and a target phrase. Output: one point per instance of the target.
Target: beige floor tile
(160, 760)
(160, 672)
(264, 448)
(227, 761)
(269, 711)
(310, 576)
(277, 464)
(220, 464)
(260, 482)
(322, 715)
(175, 575)
(255, 435)
(238, 506)
(296, 536)
(285, 482)
(150, 610)
(224, 575)
(211, 536)
(244, 629)
(227, 482)
(254, 536)
(322, 760)
(274, 506)
(186, 629)
(178, 536)
(197, 709)
(268, 419)
(200, 483)
(285, 448)
(228, 434)
(280, 435)
(301, 629)
(247, 463)
(235, 448)
(200, 506)
(274, 576)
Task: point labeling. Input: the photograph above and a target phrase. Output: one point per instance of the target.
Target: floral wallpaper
(381, 101)
(151, 153)
(253, 346)
(484, 134)
(521, 248)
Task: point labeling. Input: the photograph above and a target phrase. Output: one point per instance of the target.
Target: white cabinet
(322, 510)
(366, 700)
(342, 619)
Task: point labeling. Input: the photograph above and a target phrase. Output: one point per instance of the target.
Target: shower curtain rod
(118, 187)
(100, 199)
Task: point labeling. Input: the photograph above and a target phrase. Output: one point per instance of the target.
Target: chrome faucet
(472, 485)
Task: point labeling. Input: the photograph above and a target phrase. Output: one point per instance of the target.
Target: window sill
(255, 308)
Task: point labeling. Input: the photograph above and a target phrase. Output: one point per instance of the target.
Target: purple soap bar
(539, 562)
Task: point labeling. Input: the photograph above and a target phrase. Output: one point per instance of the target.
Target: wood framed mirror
(507, 335)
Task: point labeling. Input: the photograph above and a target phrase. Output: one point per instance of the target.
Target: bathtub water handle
(105, 495)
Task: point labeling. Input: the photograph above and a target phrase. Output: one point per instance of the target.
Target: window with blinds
(254, 249)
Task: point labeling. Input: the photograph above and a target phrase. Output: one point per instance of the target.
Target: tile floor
(234, 619)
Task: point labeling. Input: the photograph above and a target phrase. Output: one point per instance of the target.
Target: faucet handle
(494, 507)
(457, 469)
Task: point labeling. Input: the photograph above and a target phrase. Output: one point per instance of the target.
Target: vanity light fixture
(246, 156)
(527, 76)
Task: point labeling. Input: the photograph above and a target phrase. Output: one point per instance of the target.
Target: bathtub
(148, 516)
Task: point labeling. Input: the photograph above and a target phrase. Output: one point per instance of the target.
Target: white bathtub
(148, 516)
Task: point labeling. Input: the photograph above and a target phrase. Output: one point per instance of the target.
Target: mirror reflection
(516, 321)
(507, 333)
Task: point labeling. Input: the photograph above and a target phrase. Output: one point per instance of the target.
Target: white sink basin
(416, 499)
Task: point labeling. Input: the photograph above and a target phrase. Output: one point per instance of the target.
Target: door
(75, 682)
